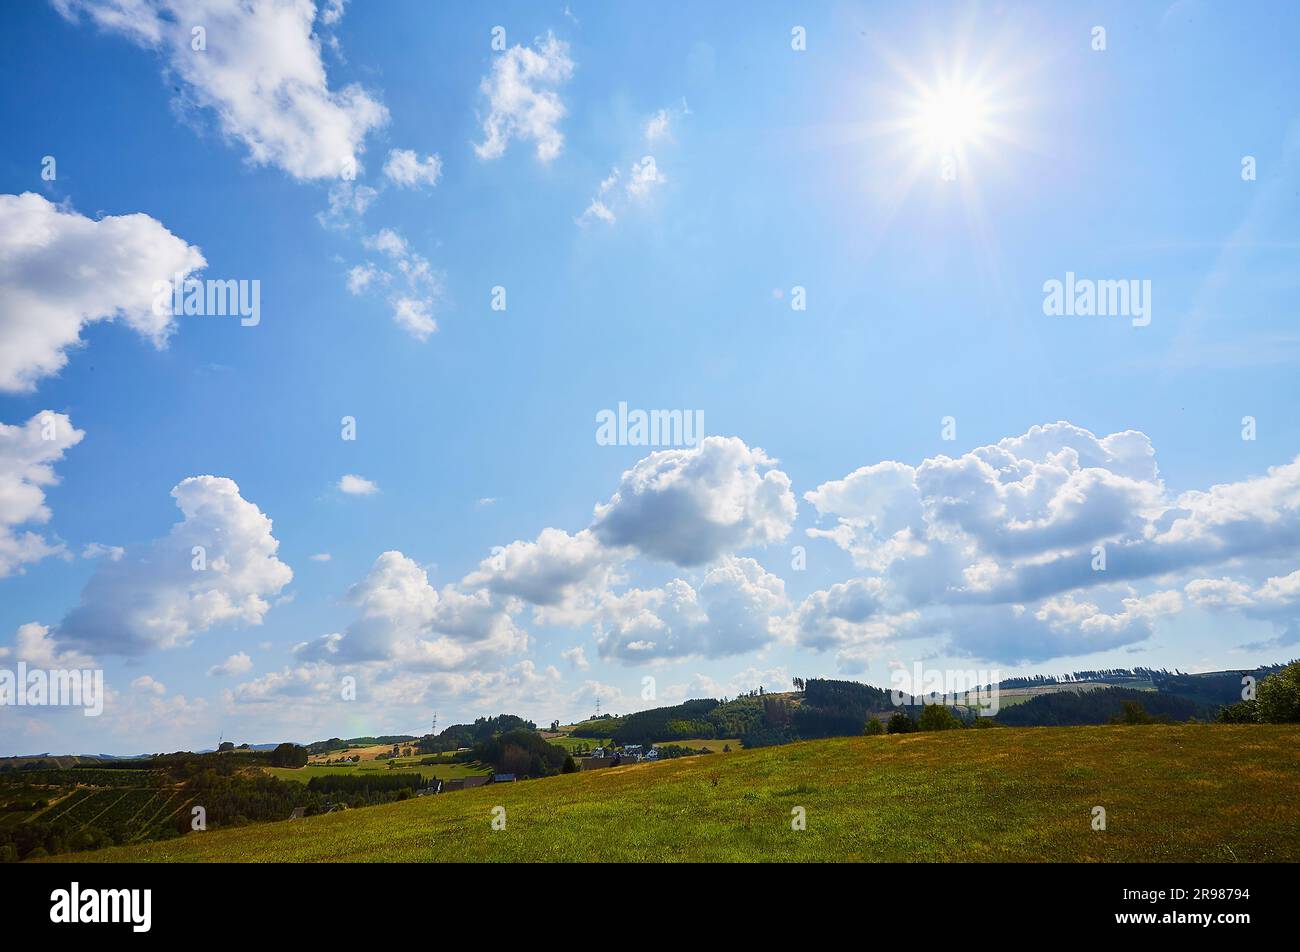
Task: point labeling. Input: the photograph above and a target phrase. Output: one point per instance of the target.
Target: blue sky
(771, 169)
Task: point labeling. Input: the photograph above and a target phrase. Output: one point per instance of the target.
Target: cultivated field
(380, 768)
(571, 743)
(1185, 792)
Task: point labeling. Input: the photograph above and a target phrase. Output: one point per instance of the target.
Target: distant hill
(1075, 708)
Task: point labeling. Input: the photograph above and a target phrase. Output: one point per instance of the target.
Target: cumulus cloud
(1002, 540)
(261, 73)
(354, 485)
(403, 618)
(690, 506)
(1056, 627)
(304, 682)
(523, 101)
(217, 566)
(34, 644)
(27, 457)
(61, 271)
(96, 550)
(408, 170)
(1276, 600)
(547, 571)
(146, 684)
(734, 610)
(238, 663)
(576, 656)
(845, 613)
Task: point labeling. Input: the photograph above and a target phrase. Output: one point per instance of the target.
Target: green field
(1185, 792)
(380, 768)
(569, 742)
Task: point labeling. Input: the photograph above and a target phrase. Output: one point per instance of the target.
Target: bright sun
(951, 117)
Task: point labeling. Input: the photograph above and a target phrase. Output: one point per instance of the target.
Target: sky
(828, 234)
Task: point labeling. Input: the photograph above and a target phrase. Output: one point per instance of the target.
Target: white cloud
(320, 557)
(735, 610)
(239, 663)
(27, 457)
(404, 619)
(146, 684)
(643, 177)
(415, 316)
(408, 170)
(596, 211)
(690, 506)
(1276, 600)
(61, 271)
(95, 550)
(994, 545)
(387, 241)
(522, 99)
(166, 594)
(1056, 627)
(547, 571)
(261, 73)
(357, 486)
(576, 656)
(413, 307)
(348, 202)
(331, 11)
(34, 644)
(658, 127)
(361, 277)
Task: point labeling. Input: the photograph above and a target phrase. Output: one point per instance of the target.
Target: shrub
(937, 717)
(1278, 698)
(873, 727)
(900, 723)
(1243, 712)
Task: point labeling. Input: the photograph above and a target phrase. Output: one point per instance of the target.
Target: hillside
(1182, 792)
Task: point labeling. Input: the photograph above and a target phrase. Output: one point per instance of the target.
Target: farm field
(1192, 792)
(571, 743)
(379, 768)
(366, 754)
(714, 744)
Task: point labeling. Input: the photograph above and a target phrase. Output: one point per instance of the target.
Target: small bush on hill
(1279, 696)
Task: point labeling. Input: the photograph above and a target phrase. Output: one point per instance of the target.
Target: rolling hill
(1193, 792)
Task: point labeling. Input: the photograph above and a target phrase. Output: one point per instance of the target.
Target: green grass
(714, 744)
(379, 768)
(569, 743)
(1185, 792)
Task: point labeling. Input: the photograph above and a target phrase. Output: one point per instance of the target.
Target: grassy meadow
(1191, 792)
(379, 768)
